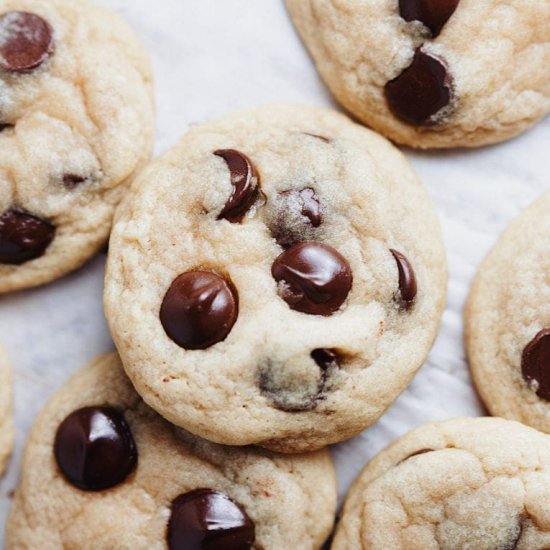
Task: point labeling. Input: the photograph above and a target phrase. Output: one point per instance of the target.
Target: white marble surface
(213, 56)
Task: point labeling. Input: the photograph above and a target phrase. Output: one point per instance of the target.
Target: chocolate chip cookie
(76, 123)
(275, 279)
(6, 419)
(433, 73)
(480, 483)
(508, 321)
(102, 471)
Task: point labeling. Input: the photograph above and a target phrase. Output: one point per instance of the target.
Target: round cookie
(508, 320)
(433, 73)
(468, 483)
(6, 418)
(76, 123)
(101, 470)
(277, 279)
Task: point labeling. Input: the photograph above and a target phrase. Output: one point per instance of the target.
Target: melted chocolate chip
(23, 237)
(26, 41)
(245, 182)
(314, 278)
(325, 358)
(73, 180)
(308, 204)
(297, 215)
(199, 310)
(407, 280)
(5, 126)
(209, 520)
(433, 13)
(421, 91)
(535, 364)
(311, 209)
(94, 448)
(293, 387)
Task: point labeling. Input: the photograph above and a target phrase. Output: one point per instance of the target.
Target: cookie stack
(273, 284)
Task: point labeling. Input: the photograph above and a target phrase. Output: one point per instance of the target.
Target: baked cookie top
(6, 414)
(480, 483)
(101, 471)
(76, 122)
(433, 73)
(276, 278)
(508, 321)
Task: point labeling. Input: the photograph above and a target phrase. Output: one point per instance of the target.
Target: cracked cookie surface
(468, 483)
(427, 73)
(171, 490)
(76, 123)
(275, 279)
(6, 416)
(507, 320)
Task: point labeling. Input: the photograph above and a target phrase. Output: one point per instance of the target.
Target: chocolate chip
(407, 280)
(73, 180)
(311, 209)
(314, 278)
(295, 386)
(94, 448)
(245, 182)
(209, 520)
(325, 358)
(26, 41)
(199, 310)
(5, 126)
(433, 13)
(421, 91)
(535, 364)
(23, 237)
(297, 213)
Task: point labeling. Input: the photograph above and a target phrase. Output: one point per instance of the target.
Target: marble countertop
(214, 56)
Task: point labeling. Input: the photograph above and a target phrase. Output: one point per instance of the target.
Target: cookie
(6, 418)
(275, 279)
(433, 73)
(508, 321)
(468, 483)
(101, 470)
(76, 123)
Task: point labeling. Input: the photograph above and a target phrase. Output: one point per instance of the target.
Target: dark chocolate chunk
(433, 13)
(535, 364)
(407, 280)
(245, 182)
(421, 91)
(4, 126)
(314, 278)
(209, 520)
(199, 310)
(95, 449)
(26, 41)
(23, 237)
